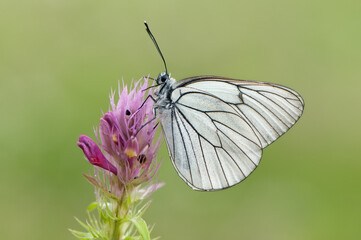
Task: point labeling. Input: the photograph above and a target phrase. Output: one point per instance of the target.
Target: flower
(124, 158)
(129, 149)
(94, 154)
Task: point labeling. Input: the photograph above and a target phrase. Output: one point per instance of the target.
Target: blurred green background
(60, 59)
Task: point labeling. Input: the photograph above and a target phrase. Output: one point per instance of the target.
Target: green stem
(116, 223)
(119, 225)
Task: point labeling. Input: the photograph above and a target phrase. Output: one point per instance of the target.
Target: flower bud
(94, 154)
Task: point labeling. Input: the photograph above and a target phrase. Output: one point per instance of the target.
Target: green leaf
(91, 180)
(142, 209)
(92, 231)
(81, 235)
(82, 224)
(92, 206)
(142, 227)
(99, 186)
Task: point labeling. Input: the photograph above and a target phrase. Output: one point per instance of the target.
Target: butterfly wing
(269, 108)
(217, 127)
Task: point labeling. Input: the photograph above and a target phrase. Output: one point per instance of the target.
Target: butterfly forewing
(270, 109)
(217, 127)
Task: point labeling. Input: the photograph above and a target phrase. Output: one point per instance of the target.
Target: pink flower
(129, 155)
(94, 154)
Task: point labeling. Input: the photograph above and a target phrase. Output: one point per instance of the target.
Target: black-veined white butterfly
(215, 127)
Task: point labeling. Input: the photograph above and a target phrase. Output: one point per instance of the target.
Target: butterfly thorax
(164, 90)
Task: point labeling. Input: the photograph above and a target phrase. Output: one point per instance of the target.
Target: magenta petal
(94, 154)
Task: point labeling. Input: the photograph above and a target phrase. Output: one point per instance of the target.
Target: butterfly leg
(149, 96)
(155, 116)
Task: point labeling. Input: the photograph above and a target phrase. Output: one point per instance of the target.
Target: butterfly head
(163, 78)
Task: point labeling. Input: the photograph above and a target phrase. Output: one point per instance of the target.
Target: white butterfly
(216, 127)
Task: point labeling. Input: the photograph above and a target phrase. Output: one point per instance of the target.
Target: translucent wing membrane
(216, 128)
(269, 109)
(209, 164)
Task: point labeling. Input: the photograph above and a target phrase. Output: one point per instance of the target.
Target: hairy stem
(121, 210)
(116, 222)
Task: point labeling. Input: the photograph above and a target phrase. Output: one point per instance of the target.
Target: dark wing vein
(190, 124)
(205, 112)
(270, 85)
(191, 142)
(202, 93)
(268, 109)
(172, 116)
(204, 160)
(279, 106)
(236, 131)
(288, 100)
(225, 177)
(185, 149)
(244, 175)
(233, 141)
(263, 118)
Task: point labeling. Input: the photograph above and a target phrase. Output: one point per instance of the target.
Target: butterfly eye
(127, 112)
(163, 79)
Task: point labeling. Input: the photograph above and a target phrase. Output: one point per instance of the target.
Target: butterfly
(215, 127)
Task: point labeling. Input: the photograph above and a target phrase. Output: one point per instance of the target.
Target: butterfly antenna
(156, 44)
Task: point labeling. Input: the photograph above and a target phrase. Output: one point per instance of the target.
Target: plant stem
(121, 210)
(116, 233)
